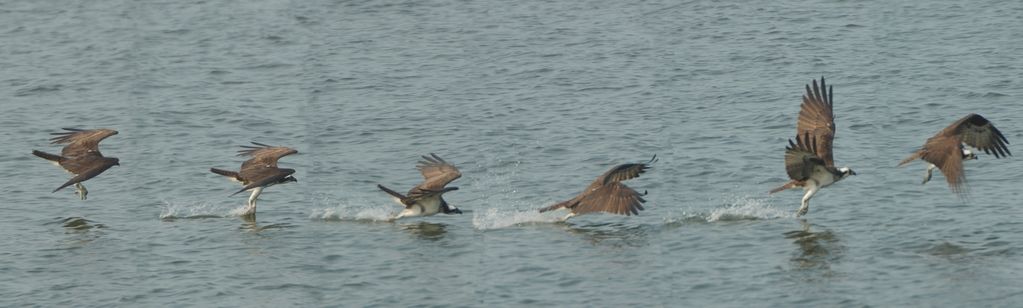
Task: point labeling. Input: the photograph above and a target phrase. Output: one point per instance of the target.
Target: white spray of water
(347, 210)
(495, 219)
(746, 208)
(191, 209)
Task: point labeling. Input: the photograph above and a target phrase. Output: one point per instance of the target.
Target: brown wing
(817, 119)
(614, 197)
(608, 194)
(976, 131)
(622, 172)
(800, 158)
(946, 152)
(80, 141)
(89, 168)
(263, 155)
(436, 173)
(257, 177)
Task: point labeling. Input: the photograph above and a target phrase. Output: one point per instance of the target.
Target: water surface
(532, 100)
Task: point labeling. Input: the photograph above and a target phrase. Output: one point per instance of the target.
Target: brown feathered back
(436, 172)
(263, 156)
(81, 142)
(608, 194)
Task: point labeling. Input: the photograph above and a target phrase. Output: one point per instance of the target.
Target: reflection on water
(817, 250)
(610, 234)
(79, 224)
(946, 249)
(249, 223)
(425, 230)
(80, 231)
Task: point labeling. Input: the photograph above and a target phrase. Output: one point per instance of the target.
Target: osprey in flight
(608, 194)
(260, 171)
(80, 156)
(427, 198)
(808, 161)
(945, 150)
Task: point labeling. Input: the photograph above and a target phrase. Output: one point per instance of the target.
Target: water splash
(684, 217)
(344, 210)
(191, 210)
(746, 208)
(496, 219)
(240, 211)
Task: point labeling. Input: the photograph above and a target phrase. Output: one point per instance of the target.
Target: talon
(81, 191)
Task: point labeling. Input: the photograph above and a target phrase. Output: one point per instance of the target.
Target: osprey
(427, 199)
(260, 171)
(608, 194)
(808, 161)
(80, 156)
(945, 150)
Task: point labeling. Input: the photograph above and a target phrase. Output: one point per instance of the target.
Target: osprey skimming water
(260, 171)
(427, 198)
(608, 194)
(80, 156)
(808, 161)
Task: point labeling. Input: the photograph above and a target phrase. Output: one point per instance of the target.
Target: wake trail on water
(493, 218)
(196, 210)
(732, 208)
(361, 210)
(735, 208)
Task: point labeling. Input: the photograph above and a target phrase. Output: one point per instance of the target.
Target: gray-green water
(532, 99)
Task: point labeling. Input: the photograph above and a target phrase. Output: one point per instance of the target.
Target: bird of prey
(80, 156)
(808, 161)
(260, 171)
(946, 152)
(427, 198)
(608, 194)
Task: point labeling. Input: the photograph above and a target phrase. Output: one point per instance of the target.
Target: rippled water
(532, 100)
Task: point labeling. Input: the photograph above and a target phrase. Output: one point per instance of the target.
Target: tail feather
(789, 185)
(223, 172)
(912, 157)
(48, 156)
(404, 200)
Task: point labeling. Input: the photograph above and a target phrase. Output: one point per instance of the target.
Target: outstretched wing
(263, 176)
(608, 194)
(800, 159)
(80, 141)
(976, 131)
(817, 119)
(614, 197)
(263, 155)
(436, 173)
(622, 172)
(95, 166)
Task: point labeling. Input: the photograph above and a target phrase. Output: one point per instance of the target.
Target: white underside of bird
(423, 207)
(250, 207)
(820, 178)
